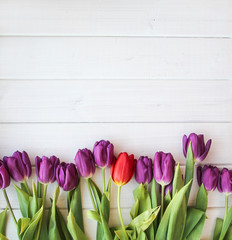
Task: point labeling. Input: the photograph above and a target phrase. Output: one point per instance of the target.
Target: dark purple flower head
(208, 175)
(225, 181)
(164, 166)
(200, 150)
(85, 163)
(18, 166)
(143, 170)
(67, 176)
(4, 176)
(103, 152)
(46, 168)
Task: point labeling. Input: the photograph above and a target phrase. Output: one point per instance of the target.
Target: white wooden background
(140, 73)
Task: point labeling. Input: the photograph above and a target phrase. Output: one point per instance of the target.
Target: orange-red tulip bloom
(123, 169)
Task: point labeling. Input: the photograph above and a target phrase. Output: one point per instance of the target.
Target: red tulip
(123, 169)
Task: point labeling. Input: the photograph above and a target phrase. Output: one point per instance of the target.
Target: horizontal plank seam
(112, 36)
(148, 122)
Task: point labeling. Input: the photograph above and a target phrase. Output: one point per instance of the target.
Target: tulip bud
(4, 176)
(123, 169)
(67, 176)
(168, 188)
(200, 150)
(143, 170)
(18, 166)
(103, 152)
(225, 181)
(208, 175)
(164, 166)
(46, 168)
(85, 163)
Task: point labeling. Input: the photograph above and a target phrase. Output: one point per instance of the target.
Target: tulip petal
(207, 147)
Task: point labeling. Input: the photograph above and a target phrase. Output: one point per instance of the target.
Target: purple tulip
(200, 150)
(18, 166)
(4, 176)
(168, 188)
(164, 166)
(208, 175)
(143, 170)
(85, 163)
(67, 176)
(103, 152)
(46, 168)
(225, 181)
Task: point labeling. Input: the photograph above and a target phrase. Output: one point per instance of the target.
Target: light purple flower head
(200, 150)
(18, 166)
(46, 168)
(67, 176)
(85, 163)
(4, 176)
(225, 181)
(208, 175)
(164, 166)
(143, 170)
(103, 152)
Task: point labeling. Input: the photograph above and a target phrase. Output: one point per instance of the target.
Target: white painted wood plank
(215, 199)
(139, 138)
(114, 58)
(205, 18)
(212, 214)
(115, 101)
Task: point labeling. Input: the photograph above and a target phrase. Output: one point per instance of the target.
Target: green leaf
(53, 231)
(226, 224)
(144, 220)
(177, 181)
(96, 192)
(62, 226)
(189, 170)
(167, 200)
(2, 237)
(30, 230)
(173, 221)
(74, 229)
(93, 215)
(142, 236)
(33, 202)
(194, 222)
(218, 229)
(202, 199)
(3, 215)
(135, 209)
(74, 203)
(106, 229)
(23, 199)
(154, 202)
(39, 189)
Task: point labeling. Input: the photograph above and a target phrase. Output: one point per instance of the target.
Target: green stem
(9, 206)
(226, 206)
(43, 204)
(103, 180)
(91, 195)
(26, 186)
(120, 214)
(162, 201)
(38, 189)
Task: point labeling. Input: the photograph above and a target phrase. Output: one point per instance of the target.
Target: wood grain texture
(115, 101)
(204, 18)
(141, 139)
(114, 58)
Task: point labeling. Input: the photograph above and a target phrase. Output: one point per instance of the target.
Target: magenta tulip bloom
(225, 181)
(200, 150)
(143, 170)
(164, 166)
(208, 175)
(67, 176)
(85, 163)
(46, 168)
(168, 188)
(103, 152)
(18, 166)
(4, 176)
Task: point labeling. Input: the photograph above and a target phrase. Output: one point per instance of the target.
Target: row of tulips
(159, 212)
